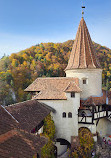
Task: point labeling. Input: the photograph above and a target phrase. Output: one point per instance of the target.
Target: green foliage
(49, 132)
(48, 150)
(49, 127)
(86, 142)
(45, 60)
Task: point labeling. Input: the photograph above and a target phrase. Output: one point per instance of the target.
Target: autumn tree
(86, 142)
(45, 60)
(49, 132)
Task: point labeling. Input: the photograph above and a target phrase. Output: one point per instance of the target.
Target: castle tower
(83, 63)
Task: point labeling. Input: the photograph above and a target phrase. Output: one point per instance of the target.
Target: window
(84, 81)
(64, 114)
(83, 114)
(33, 93)
(69, 115)
(72, 94)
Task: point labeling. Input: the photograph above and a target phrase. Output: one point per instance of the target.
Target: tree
(49, 132)
(49, 127)
(86, 142)
(48, 150)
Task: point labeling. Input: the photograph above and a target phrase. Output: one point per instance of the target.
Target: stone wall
(104, 127)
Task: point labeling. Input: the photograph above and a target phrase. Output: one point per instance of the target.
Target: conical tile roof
(83, 54)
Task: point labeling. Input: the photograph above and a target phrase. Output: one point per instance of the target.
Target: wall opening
(84, 81)
(72, 94)
(69, 115)
(64, 114)
(62, 146)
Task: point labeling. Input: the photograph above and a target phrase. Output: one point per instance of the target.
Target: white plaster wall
(104, 127)
(61, 149)
(94, 81)
(40, 130)
(65, 127)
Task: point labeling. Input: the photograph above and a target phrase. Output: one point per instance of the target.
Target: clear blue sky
(24, 23)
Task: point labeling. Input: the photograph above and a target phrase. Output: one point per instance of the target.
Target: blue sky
(24, 23)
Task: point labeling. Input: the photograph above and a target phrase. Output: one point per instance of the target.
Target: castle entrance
(62, 146)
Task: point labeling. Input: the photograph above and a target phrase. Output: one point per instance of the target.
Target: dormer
(71, 90)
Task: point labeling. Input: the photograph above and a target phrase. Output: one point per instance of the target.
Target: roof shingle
(7, 122)
(97, 100)
(18, 144)
(29, 113)
(83, 54)
(52, 88)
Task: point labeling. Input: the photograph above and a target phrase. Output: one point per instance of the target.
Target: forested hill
(43, 60)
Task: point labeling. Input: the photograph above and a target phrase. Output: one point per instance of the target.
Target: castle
(78, 98)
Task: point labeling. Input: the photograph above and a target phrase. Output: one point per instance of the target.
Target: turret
(83, 63)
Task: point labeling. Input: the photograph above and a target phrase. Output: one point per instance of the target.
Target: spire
(83, 54)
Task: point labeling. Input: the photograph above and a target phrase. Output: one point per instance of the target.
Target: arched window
(64, 114)
(69, 115)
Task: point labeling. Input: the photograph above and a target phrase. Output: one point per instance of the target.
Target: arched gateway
(62, 146)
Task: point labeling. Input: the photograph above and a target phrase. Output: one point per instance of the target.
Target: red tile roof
(29, 113)
(83, 54)
(52, 88)
(7, 122)
(97, 100)
(16, 143)
(72, 87)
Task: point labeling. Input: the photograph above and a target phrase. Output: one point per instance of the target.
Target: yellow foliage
(86, 144)
(108, 73)
(25, 63)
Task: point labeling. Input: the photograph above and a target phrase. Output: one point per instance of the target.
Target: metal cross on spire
(82, 9)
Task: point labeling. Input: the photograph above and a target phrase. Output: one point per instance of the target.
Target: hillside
(43, 60)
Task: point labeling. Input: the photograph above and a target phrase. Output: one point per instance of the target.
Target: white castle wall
(104, 127)
(94, 81)
(65, 127)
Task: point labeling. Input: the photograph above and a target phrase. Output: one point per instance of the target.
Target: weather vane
(82, 9)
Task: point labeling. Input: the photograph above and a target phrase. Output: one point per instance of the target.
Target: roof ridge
(55, 77)
(9, 114)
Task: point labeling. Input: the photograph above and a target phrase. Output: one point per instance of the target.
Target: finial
(82, 9)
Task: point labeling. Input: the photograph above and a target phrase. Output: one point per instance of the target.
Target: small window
(83, 114)
(64, 114)
(69, 115)
(72, 94)
(84, 81)
(33, 93)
